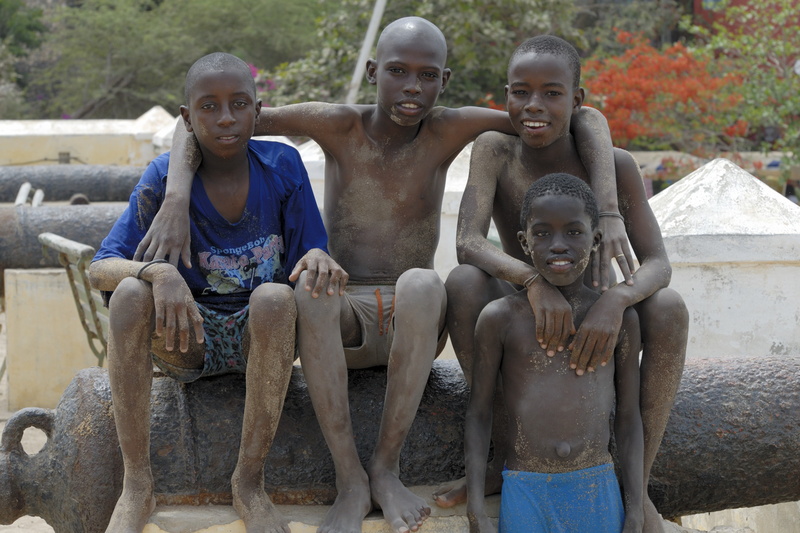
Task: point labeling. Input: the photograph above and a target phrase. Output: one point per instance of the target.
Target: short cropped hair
(216, 61)
(561, 184)
(550, 44)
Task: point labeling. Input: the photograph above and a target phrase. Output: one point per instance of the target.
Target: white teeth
(560, 263)
(410, 106)
(531, 124)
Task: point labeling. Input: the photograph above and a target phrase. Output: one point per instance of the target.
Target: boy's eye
(430, 75)
(519, 92)
(395, 70)
(207, 105)
(553, 93)
(240, 104)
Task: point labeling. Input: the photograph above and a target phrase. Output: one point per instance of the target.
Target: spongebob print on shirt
(243, 268)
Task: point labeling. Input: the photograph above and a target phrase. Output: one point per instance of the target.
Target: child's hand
(597, 336)
(480, 523)
(614, 244)
(167, 238)
(324, 274)
(553, 316)
(175, 307)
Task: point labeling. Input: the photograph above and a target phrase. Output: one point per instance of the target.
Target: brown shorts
(374, 307)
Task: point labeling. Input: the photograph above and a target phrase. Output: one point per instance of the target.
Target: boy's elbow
(461, 255)
(666, 272)
(465, 250)
(99, 275)
(94, 275)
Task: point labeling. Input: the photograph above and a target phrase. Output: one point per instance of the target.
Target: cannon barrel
(21, 225)
(100, 183)
(732, 441)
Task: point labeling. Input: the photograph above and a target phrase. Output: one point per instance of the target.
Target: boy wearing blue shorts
(253, 219)
(559, 474)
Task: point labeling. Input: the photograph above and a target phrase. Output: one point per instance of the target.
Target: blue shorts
(583, 501)
(223, 341)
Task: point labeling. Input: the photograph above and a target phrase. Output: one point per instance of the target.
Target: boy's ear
(372, 69)
(505, 95)
(258, 109)
(578, 99)
(187, 121)
(523, 240)
(445, 78)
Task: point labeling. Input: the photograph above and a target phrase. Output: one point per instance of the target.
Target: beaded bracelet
(611, 214)
(528, 282)
(147, 265)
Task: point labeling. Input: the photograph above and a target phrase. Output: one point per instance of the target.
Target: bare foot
(348, 511)
(402, 509)
(255, 508)
(653, 523)
(133, 509)
(454, 493)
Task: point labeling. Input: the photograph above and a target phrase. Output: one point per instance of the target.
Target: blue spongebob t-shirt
(280, 223)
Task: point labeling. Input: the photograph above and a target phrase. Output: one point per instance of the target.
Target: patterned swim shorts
(223, 340)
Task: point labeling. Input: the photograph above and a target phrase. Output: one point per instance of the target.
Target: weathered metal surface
(100, 183)
(20, 227)
(733, 438)
(732, 441)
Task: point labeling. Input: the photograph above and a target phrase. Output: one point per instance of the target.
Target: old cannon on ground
(732, 441)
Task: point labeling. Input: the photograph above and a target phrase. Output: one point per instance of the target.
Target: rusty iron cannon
(732, 441)
(100, 183)
(20, 227)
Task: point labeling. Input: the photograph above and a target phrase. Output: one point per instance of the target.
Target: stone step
(303, 518)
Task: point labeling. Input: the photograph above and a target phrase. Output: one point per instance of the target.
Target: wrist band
(146, 265)
(528, 282)
(611, 214)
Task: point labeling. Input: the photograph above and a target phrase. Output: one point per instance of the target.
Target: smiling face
(541, 98)
(409, 70)
(559, 238)
(221, 111)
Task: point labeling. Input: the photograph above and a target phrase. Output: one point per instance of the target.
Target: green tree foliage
(21, 27)
(480, 38)
(21, 30)
(758, 41)
(602, 20)
(118, 58)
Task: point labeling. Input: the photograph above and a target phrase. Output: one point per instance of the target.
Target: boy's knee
(665, 305)
(465, 278)
(419, 280)
(422, 291)
(273, 301)
(132, 293)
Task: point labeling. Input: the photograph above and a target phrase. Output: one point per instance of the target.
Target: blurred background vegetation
(699, 76)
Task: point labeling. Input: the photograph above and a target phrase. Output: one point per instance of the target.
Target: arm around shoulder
(320, 121)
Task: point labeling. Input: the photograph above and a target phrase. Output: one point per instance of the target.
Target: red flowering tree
(664, 99)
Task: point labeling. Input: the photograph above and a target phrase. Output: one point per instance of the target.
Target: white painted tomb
(734, 246)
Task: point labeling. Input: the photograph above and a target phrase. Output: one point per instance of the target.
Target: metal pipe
(101, 183)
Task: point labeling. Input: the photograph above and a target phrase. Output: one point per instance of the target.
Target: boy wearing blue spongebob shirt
(253, 220)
